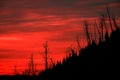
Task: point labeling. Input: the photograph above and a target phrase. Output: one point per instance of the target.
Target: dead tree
(114, 21)
(86, 25)
(45, 45)
(106, 30)
(95, 37)
(26, 72)
(69, 51)
(109, 17)
(31, 65)
(91, 33)
(78, 44)
(104, 23)
(102, 26)
(15, 70)
(52, 62)
(98, 30)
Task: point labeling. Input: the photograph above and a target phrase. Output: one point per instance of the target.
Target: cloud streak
(15, 11)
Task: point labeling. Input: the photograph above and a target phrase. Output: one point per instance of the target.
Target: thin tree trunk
(78, 44)
(45, 45)
(108, 13)
(95, 33)
(114, 21)
(98, 30)
(87, 32)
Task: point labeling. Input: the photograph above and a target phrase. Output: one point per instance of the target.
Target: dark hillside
(101, 60)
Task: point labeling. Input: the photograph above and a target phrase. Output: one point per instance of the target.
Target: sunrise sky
(26, 24)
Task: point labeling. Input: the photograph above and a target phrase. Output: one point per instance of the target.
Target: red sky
(26, 24)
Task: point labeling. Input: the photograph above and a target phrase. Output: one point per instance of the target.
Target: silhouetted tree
(104, 23)
(86, 25)
(26, 72)
(98, 30)
(105, 26)
(52, 62)
(109, 17)
(70, 52)
(102, 26)
(78, 43)
(45, 46)
(114, 21)
(91, 32)
(95, 34)
(15, 70)
(31, 67)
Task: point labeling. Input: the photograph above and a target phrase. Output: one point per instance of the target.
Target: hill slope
(101, 60)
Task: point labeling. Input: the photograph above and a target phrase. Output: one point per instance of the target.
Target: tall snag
(15, 70)
(31, 66)
(95, 34)
(103, 26)
(109, 17)
(114, 21)
(78, 44)
(45, 46)
(86, 25)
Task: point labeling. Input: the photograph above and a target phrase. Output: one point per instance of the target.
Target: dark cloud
(49, 23)
(52, 3)
(55, 7)
(58, 5)
(94, 3)
(15, 13)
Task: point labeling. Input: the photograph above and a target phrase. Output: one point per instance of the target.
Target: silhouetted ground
(99, 61)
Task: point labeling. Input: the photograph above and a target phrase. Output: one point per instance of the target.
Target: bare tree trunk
(15, 70)
(108, 13)
(29, 69)
(52, 63)
(102, 26)
(114, 21)
(31, 65)
(95, 37)
(90, 33)
(104, 23)
(45, 45)
(87, 32)
(78, 44)
(97, 28)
